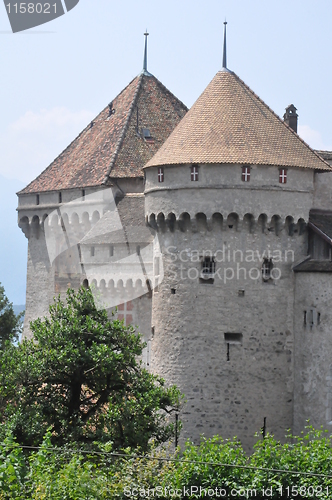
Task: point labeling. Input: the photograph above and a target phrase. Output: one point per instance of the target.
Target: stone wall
(231, 382)
(313, 357)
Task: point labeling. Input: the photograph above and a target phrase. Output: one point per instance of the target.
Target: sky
(57, 77)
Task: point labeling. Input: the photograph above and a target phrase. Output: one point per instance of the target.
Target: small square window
(233, 338)
(282, 175)
(245, 174)
(194, 173)
(160, 174)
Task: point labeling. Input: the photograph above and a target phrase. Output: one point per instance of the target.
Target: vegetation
(215, 469)
(10, 324)
(98, 421)
(81, 379)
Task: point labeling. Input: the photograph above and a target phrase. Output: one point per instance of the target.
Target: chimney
(290, 117)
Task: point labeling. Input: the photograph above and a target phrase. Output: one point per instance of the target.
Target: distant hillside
(13, 246)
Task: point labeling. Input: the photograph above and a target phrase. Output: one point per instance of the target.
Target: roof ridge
(170, 93)
(75, 139)
(125, 127)
(282, 121)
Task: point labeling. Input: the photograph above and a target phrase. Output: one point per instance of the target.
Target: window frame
(194, 173)
(246, 173)
(161, 174)
(282, 175)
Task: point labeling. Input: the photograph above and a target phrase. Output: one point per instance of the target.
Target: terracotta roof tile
(229, 123)
(111, 146)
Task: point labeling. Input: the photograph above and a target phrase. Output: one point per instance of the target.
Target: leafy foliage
(10, 324)
(80, 377)
(60, 473)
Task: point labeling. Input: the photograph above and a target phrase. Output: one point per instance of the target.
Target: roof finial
(145, 62)
(224, 57)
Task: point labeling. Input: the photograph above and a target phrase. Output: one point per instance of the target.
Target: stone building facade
(219, 249)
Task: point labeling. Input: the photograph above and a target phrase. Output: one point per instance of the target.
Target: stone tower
(230, 194)
(234, 300)
(69, 203)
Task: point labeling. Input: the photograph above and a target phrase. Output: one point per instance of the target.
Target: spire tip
(224, 58)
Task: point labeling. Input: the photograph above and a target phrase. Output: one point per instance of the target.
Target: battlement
(201, 222)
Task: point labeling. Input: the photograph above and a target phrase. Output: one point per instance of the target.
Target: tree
(10, 324)
(80, 376)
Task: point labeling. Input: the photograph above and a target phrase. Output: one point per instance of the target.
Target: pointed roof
(229, 123)
(113, 144)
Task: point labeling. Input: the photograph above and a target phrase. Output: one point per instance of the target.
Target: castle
(210, 229)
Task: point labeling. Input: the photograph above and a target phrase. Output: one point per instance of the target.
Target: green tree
(10, 324)
(80, 376)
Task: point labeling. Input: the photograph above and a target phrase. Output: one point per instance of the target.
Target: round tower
(229, 194)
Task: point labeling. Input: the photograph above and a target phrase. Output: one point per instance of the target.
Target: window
(208, 270)
(92, 251)
(146, 133)
(246, 174)
(194, 173)
(232, 338)
(60, 197)
(83, 194)
(111, 250)
(37, 199)
(160, 174)
(282, 176)
(266, 269)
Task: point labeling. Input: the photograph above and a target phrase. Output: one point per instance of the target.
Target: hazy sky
(57, 77)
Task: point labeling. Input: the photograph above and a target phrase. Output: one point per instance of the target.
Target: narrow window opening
(208, 270)
(60, 197)
(311, 317)
(111, 251)
(282, 176)
(228, 358)
(173, 291)
(194, 173)
(37, 199)
(318, 318)
(83, 194)
(92, 251)
(160, 174)
(267, 269)
(305, 317)
(246, 174)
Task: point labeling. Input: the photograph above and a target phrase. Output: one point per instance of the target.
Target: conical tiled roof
(112, 145)
(229, 123)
